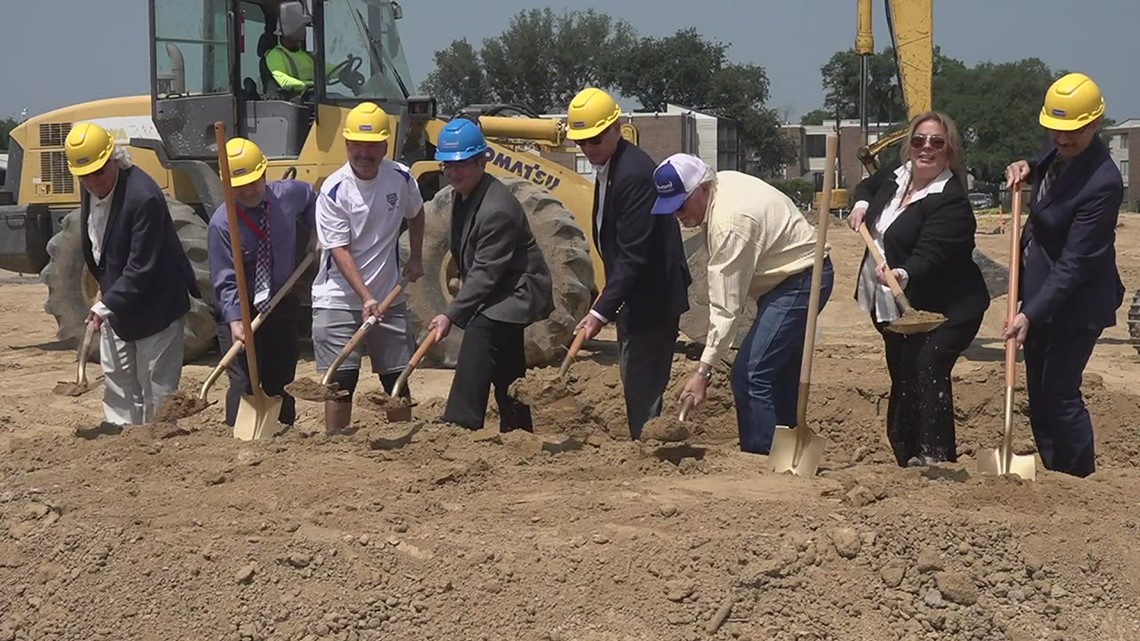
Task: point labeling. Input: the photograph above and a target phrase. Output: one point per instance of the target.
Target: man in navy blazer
(1070, 286)
(647, 276)
(145, 279)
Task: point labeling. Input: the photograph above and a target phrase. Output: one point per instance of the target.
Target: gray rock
(957, 587)
(933, 598)
(847, 542)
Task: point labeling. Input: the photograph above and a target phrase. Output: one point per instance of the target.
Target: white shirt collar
(107, 199)
(936, 186)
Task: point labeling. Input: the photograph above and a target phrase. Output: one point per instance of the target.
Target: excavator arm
(911, 26)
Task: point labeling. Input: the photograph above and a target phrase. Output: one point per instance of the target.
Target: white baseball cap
(676, 178)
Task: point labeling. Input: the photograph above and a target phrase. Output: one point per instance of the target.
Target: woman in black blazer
(921, 219)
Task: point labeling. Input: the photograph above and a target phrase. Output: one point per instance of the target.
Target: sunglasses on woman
(918, 141)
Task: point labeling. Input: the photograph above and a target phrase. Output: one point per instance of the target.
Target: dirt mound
(418, 530)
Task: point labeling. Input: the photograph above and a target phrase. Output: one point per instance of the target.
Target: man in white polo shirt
(359, 214)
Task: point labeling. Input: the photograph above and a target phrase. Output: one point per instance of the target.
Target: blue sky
(68, 51)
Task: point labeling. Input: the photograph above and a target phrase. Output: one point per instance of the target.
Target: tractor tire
(72, 289)
(567, 255)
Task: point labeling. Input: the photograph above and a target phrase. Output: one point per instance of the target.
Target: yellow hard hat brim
(252, 177)
(586, 134)
(359, 137)
(1060, 124)
(89, 168)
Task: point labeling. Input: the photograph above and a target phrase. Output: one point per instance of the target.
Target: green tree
(816, 117)
(686, 69)
(841, 80)
(6, 126)
(457, 80)
(542, 59)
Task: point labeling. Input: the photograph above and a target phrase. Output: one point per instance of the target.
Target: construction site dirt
(421, 530)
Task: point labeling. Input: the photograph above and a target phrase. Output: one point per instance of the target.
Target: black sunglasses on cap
(918, 141)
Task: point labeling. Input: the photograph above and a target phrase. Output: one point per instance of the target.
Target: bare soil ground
(420, 531)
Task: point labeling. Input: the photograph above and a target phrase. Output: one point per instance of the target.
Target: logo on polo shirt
(392, 199)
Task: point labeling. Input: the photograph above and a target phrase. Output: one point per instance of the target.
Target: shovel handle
(576, 345)
(360, 333)
(236, 250)
(81, 357)
(236, 347)
(686, 405)
(416, 358)
(892, 282)
(1010, 314)
(579, 338)
(357, 336)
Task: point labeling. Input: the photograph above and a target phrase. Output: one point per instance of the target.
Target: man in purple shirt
(267, 216)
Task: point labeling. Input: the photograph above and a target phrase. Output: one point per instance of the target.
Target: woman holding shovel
(268, 213)
(921, 221)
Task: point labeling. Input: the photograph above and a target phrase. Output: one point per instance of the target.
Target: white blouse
(870, 292)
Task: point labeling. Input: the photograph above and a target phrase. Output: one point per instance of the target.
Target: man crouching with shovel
(505, 284)
(761, 249)
(267, 214)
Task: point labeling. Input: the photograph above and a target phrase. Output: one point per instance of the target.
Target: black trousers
(492, 353)
(646, 359)
(920, 412)
(1055, 359)
(277, 353)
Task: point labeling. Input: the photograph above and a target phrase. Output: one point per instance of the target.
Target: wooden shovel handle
(416, 358)
(686, 405)
(892, 282)
(816, 278)
(236, 252)
(576, 345)
(81, 357)
(1011, 304)
(236, 347)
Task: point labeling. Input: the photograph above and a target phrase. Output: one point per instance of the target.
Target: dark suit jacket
(1068, 247)
(143, 274)
(504, 274)
(933, 240)
(647, 277)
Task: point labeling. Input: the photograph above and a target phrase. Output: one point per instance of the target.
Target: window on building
(1124, 168)
(1123, 141)
(816, 145)
(582, 165)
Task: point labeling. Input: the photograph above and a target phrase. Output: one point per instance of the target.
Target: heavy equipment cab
(208, 63)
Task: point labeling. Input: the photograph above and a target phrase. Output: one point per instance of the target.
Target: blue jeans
(766, 372)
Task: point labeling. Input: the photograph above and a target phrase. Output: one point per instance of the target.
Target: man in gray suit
(504, 286)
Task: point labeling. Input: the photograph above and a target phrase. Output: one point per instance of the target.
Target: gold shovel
(798, 449)
(911, 320)
(1003, 460)
(257, 413)
(181, 405)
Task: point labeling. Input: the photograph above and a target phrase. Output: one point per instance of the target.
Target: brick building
(810, 142)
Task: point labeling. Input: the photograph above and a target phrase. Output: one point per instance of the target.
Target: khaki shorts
(390, 343)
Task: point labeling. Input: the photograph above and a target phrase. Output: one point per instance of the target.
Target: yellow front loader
(208, 63)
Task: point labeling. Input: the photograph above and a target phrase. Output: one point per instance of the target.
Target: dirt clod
(311, 390)
(179, 405)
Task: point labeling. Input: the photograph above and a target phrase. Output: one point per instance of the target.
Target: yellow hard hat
(367, 122)
(247, 163)
(88, 148)
(1072, 102)
(590, 112)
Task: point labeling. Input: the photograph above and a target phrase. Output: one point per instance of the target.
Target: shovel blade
(991, 461)
(797, 450)
(257, 417)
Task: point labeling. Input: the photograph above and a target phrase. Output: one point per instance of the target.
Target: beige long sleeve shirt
(756, 237)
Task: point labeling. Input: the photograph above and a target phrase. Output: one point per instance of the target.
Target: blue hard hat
(460, 139)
